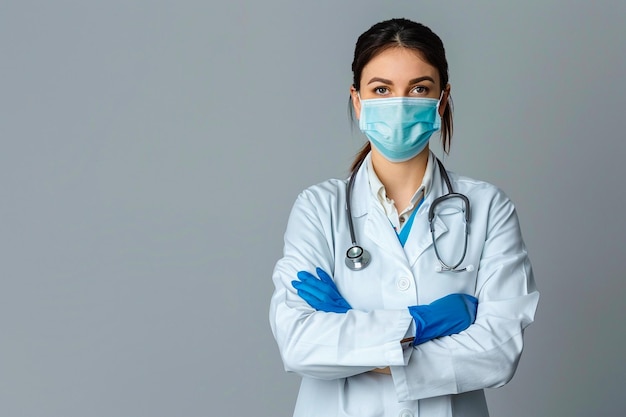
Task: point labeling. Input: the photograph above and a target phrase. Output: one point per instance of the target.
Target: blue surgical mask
(399, 127)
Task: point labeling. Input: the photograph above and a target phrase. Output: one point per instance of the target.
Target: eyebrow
(413, 81)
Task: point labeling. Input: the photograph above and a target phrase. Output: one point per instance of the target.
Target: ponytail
(360, 156)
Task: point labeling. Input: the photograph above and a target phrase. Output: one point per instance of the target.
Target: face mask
(399, 127)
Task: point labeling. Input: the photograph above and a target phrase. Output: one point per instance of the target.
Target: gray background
(151, 152)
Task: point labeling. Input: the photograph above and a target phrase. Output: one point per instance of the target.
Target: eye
(420, 90)
(381, 91)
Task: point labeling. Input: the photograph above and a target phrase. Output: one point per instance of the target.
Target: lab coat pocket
(449, 250)
(362, 395)
(433, 285)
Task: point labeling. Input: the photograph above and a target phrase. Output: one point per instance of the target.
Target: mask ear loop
(439, 102)
(443, 154)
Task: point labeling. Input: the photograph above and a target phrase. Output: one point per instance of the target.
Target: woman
(435, 311)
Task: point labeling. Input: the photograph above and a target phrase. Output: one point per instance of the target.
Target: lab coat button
(403, 284)
(406, 413)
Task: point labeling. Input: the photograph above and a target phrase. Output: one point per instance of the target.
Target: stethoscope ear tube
(467, 217)
(450, 195)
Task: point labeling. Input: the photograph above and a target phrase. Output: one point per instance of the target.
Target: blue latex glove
(321, 294)
(448, 315)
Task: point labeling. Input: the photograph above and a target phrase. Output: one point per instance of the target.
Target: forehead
(399, 63)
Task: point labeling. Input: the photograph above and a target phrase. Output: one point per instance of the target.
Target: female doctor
(405, 290)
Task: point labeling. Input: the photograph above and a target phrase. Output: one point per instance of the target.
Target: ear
(444, 100)
(356, 103)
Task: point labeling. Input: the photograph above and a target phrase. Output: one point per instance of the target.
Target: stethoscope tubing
(357, 258)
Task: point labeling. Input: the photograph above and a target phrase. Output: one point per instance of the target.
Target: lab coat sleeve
(486, 354)
(316, 343)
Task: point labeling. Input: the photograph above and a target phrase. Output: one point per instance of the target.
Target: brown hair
(407, 34)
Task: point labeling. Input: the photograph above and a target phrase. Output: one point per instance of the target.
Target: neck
(401, 179)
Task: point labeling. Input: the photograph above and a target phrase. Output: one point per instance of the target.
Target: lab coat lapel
(377, 228)
(420, 237)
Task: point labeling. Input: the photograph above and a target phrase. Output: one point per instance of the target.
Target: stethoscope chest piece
(357, 258)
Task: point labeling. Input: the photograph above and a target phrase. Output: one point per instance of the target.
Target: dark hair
(408, 34)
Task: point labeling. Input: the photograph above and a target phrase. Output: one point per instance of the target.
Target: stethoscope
(358, 258)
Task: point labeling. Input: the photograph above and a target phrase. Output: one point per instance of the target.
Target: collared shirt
(378, 190)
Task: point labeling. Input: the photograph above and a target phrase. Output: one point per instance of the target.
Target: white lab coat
(334, 352)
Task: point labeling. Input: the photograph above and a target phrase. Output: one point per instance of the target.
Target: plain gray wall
(151, 152)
